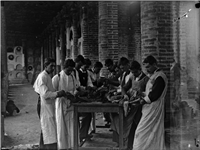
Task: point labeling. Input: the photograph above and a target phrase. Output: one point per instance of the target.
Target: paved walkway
(23, 129)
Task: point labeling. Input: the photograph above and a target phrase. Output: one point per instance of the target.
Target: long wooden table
(97, 107)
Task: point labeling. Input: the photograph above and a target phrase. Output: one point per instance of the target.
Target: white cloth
(1, 130)
(64, 112)
(125, 78)
(93, 76)
(149, 134)
(43, 86)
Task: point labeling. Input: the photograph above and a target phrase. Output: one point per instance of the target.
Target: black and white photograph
(100, 75)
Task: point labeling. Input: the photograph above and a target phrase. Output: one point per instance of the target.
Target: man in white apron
(132, 90)
(66, 81)
(149, 134)
(46, 110)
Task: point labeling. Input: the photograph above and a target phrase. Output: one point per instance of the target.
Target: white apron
(149, 134)
(64, 112)
(43, 86)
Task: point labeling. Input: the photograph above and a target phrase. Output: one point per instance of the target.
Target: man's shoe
(88, 137)
(107, 125)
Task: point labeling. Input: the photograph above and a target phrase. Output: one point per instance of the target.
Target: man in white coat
(66, 81)
(149, 134)
(46, 110)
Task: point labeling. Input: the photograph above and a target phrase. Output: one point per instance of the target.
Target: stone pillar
(123, 28)
(57, 49)
(4, 71)
(53, 46)
(68, 50)
(62, 42)
(134, 31)
(45, 46)
(108, 31)
(50, 43)
(84, 29)
(42, 58)
(75, 36)
(157, 39)
(157, 33)
(25, 58)
(89, 32)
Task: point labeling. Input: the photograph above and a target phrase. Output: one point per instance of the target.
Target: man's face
(50, 68)
(124, 67)
(135, 72)
(69, 70)
(110, 68)
(85, 67)
(149, 68)
(79, 64)
(97, 69)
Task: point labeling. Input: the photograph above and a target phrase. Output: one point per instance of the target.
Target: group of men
(141, 95)
(55, 97)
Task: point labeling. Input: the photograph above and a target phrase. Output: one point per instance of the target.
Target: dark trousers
(107, 117)
(41, 144)
(85, 124)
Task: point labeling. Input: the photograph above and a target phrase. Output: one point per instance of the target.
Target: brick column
(156, 38)
(89, 27)
(62, 42)
(57, 46)
(25, 58)
(42, 58)
(156, 27)
(108, 31)
(50, 43)
(84, 29)
(123, 26)
(4, 71)
(68, 50)
(75, 36)
(45, 46)
(53, 45)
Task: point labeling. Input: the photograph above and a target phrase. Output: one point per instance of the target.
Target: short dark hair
(108, 62)
(80, 58)
(98, 64)
(150, 59)
(123, 61)
(87, 62)
(48, 60)
(135, 65)
(69, 63)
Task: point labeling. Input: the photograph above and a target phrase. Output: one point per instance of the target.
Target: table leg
(120, 128)
(76, 137)
(93, 122)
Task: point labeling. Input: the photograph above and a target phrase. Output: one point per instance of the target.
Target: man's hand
(61, 93)
(142, 101)
(126, 98)
(121, 102)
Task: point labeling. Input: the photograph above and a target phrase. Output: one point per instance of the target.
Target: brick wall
(134, 44)
(90, 33)
(123, 27)
(156, 28)
(108, 31)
